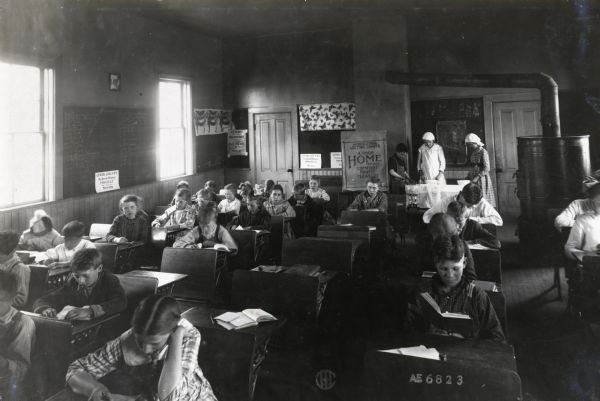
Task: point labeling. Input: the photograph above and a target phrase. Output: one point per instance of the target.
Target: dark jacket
(474, 232)
(424, 257)
(135, 230)
(259, 221)
(107, 293)
(364, 201)
(305, 224)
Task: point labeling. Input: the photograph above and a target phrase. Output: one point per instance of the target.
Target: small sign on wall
(236, 142)
(310, 160)
(336, 159)
(107, 181)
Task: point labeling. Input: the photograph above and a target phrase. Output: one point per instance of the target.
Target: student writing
(132, 224)
(61, 255)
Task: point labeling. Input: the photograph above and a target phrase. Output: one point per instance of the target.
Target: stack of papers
(420, 351)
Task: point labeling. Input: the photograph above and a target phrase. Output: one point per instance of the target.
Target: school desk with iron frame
(56, 277)
(252, 246)
(364, 253)
(230, 359)
(477, 370)
(166, 281)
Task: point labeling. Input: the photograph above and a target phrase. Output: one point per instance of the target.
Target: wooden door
(511, 120)
(273, 147)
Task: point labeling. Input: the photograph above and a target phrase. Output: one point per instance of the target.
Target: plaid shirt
(120, 351)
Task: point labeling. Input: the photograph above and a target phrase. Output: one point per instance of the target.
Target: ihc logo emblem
(325, 379)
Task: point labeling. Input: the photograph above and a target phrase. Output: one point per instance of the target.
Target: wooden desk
(330, 254)
(230, 360)
(488, 264)
(166, 281)
(164, 236)
(473, 370)
(251, 247)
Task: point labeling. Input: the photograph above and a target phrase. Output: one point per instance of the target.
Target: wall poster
(107, 181)
(327, 116)
(364, 155)
(236, 142)
(212, 121)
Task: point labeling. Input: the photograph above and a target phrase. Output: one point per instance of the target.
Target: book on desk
(450, 321)
(243, 319)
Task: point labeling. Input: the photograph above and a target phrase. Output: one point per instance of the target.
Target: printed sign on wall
(236, 142)
(364, 156)
(107, 181)
(336, 159)
(310, 160)
(212, 121)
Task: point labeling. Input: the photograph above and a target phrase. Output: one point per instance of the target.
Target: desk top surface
(83, 325)
(164, 278)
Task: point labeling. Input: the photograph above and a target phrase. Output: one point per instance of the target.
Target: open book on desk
(419, 351)
(449, 321)
(243, 319)
(268, 268)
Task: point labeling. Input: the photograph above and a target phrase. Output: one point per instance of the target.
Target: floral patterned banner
(212, 121)
(327, 116)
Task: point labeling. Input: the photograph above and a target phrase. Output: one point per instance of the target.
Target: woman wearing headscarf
(431, 162)
(479, 161)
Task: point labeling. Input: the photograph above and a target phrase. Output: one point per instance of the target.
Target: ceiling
(234, 18)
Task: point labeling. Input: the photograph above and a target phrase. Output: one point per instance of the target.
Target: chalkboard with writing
(102, 139)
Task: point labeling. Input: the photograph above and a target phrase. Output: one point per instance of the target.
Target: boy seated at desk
(208, 233)
(580, 207)
(156, 359)
(41, 234)
(61, 255)
(454, 293)
(130, 226)
(181, 215)
(180, 185)
(17, 332)
(308, 227)
(230, 205)
(371, 199)
(276, 205)
(254, 217)
(468, 229)
(92, 291)
(478, 208)
(10, 262)
(211, 195)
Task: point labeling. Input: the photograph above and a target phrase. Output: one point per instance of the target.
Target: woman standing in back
(479, 161)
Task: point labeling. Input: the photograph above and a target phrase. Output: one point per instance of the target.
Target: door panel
(511, 120)
(273, 144)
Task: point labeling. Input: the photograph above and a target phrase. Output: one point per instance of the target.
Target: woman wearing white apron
(431, 162)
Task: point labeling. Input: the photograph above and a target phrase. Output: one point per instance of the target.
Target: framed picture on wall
(114, 82)
(451, 135)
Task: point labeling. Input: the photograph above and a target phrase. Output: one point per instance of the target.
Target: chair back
(246, 255)
(277, 232)
(366, 218)
(99, 230)
(199, 264)
(136, 289)
(488, 264)
(38, 283)
(109, 255)
(330, 254)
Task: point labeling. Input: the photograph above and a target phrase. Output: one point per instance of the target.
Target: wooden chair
(277, 233)
(38, 283)
(330, 254)
(246, 257)
(109, 255)
(201, 267)
(488, 264)
(98, 231)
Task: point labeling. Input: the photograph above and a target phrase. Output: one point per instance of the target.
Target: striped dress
(480, 164)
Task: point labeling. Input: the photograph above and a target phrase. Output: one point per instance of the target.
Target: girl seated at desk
(180, 185)
(61, 255)
(230, 204)
(208, 233)
(277, 205)
(181, 215)
(585, 234)
(130, 226)
(157, 358)
(454, 293)
(41, 234)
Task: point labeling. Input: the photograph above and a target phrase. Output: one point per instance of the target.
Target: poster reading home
(364, 155)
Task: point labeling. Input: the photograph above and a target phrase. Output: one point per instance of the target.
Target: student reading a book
(441, 224)
(580, 206)
(277, 205)
(180, 215)
(202, 197)
(92, 291)
(10, 262)
(61, 255)
(246, 192)
(208, 233)
(211, 186)
(180, 185)
(41, 234)
(371, 199)
(479, 209)
(156, 359)
(468, 229)
(254, 217)
(455, 294)
(307, 226)
(132, 224)
(17, 333)
(230, 204)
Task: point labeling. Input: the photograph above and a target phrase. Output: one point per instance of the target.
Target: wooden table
(166, 281)
(472, 370)
(230, 360)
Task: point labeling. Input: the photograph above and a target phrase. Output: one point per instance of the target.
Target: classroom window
(26, 134)
(175, 136)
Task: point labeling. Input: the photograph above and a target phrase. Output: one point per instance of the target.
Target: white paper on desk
(420, 351)
(39, 257)
(65, 311)
(478, 246)
(372, 228)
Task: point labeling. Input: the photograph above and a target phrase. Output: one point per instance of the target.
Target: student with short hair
(181, 215)
(276, 205)
(579, 206)
(93, 291)
(478, 208)
(468, 229)
(585, 233)
(180, 185)
(207, 233)
(254, 217)
(61, 255)
(202, 197)
(132, 224)
(371, 199)
(41, 234)
(454, 293)
(308, 227)
(156, 359)
(230, 204)
(246, 192)
(17, 332)
(318, 194)
(212, 187)
(10, 262)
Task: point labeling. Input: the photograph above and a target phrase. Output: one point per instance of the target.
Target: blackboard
(102, 139)
(211, 151)
(428, 115)
(323, 142)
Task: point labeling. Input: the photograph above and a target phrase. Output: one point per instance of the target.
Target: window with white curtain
(26, 134)
(175, 135)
